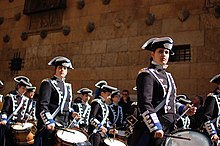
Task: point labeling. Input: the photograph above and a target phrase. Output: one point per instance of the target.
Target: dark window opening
(182, 53)
(36, 6)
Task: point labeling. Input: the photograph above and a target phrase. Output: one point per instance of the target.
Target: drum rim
(116, 139)
(66, 142)
(188, 129)
(16, 124)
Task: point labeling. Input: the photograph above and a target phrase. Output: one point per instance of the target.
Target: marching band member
(55, 96)
(115, 111)
(99, 114)
(83, 109)
(156, 93)
(30, 112)
(13, 111)
(1, 96)
(212, 111)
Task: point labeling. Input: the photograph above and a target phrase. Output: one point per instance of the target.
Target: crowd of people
(55, 117)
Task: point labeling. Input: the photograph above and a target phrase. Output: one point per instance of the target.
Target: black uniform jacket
(98, 115)
(54, 95)
(154, 85)
(12, 101)
(115, 115)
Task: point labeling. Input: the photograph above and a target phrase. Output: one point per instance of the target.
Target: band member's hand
(158, 134)
(3, 122)
(113, 131)
(51, 126)
(103, 130)
(191, 111)
(215, 138)
(76, 115)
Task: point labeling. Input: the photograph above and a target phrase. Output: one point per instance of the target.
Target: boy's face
(21, 89)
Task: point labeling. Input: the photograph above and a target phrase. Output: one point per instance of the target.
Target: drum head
(197, 139)
(22, 126)
(113, 142)
(74, 136)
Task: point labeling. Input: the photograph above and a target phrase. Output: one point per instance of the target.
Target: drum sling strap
(16, 110)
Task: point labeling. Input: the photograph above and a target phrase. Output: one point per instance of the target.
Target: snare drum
(23, 134)
(114, 142)
(121, 135)
(197, 139)
(70, 137)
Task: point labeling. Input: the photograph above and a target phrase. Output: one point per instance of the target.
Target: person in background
(98, 121)
(211, 117)
(125, 103)
(1, 96)
(83, 109)
(156, 93)
(195, 120)
(13, 111)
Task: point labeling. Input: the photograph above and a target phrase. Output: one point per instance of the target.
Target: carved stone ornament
(17, 16)
(6, 38)
(66, 30)
(1, 20)
(90, 26)
(24, 36)
(183, 14)
(150, 18)
(106, 2)
(80, 4)
(43, 34)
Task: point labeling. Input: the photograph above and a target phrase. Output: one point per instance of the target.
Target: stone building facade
(103, 40)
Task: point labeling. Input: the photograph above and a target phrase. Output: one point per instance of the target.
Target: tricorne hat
(116, 92)
(103, 86)
(61, 61)
(215, 79)
(85, 91)
(108, 88)
(100, 84)
(163, 42)
(23, 81)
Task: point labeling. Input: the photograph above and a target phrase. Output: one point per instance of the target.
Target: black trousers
(96, 139)
(142, 136)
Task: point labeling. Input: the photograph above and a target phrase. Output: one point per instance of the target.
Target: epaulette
(143, 70)
(210, 94)
(45, 80)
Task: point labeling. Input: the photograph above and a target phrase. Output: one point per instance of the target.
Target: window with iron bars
(182, 53)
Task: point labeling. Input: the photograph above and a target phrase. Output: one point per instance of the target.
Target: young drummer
(98, 126)
(83, 109)
(13, 111)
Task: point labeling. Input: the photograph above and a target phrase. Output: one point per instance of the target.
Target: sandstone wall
(112, 50)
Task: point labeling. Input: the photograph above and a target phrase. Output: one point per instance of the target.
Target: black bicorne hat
(22, 80)
(100, 83)
(61, 61)
(117, 92)
(154, 43)
(85, 91)
(103, 86)
(215, 79)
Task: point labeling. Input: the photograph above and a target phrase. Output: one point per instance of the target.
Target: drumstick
(114, 127)
(184, 113)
